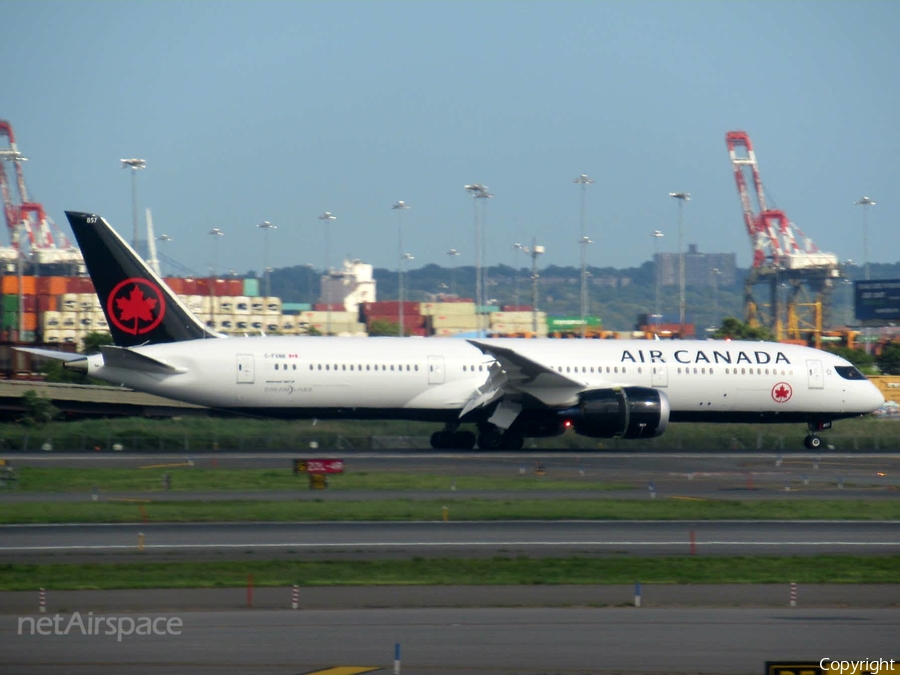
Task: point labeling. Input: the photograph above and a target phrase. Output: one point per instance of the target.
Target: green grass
(462, 510)
(33, 479)
(198, 434)
(441, 571)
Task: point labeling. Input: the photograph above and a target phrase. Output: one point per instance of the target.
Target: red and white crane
(782, 253)
(23, 214)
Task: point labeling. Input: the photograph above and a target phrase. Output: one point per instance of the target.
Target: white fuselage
(434, 378)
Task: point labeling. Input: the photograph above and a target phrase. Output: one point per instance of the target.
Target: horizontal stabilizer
(127, 359)
(50, 353)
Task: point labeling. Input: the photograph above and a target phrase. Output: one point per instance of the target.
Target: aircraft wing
(524, 372)
(122, 357)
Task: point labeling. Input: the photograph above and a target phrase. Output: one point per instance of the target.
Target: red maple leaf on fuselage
(136, 307)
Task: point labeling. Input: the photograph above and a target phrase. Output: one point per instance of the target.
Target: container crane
(21, 212)
(782, 256)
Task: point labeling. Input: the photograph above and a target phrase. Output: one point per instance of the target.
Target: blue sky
(251, 111)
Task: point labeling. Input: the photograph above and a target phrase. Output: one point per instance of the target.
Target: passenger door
(244, 368)
(435, 370)
(816, 374)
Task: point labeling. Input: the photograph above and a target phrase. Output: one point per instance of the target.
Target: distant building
(698, 268)
(348, 287)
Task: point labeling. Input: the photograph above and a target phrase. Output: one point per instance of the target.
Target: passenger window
(327, 367)
(343, 366)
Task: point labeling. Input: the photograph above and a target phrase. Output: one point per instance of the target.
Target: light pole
(716, 272)
(265, 226)
(309, 282)
(534, 250)
(453, 253)
(400, 207)
(135, 165)
(215, 233)
(866, 202)
(484, 195)
(477, 190)
(517, 247)
(326, 219)
(682, 197)
(584, 180)
(657, 235)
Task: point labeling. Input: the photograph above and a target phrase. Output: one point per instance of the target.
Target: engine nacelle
(626, 412)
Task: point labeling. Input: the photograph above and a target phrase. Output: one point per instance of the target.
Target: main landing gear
(489, 438)
(492, 438)
(451, 439)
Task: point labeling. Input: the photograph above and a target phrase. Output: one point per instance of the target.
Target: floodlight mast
(866, 202)
(326, 219)
(215, 233)
(584, 180)
(453, 253)
(135, 165)
(657, 235)
(265, 226)
(682, 197)
(400, 207)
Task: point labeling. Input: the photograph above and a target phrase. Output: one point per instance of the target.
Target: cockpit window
(849, 373)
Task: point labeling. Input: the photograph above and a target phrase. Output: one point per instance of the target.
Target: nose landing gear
(813, 441)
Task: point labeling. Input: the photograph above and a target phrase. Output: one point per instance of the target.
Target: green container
(251, 287)
(10, 320)
(295, 307)
(559, 324)
(10, 303)
(488, 309)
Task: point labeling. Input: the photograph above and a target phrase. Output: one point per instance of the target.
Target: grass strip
(37, 479)
(459, 510)
(445, 571)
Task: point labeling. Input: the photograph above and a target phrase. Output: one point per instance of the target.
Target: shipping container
(51, 321)
(433, 308)
(10, 303)
(272, 305)
(79, 285)
(10, 320)
(52, 336)
(251, 288)
(47, 303)
(294, 307)
(241, 304)
(560, 324)
(68, 302)
(450, 332)
(51, 285)
(176, 284)
(517, 308)
(234, 287)
(391, 307)
(461, 321)
(10, 285)
(68, 320)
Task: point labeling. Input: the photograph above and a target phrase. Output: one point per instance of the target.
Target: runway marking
(166, 466)
(130, 501)
(345, 670)
(691, 499)
(307, 545)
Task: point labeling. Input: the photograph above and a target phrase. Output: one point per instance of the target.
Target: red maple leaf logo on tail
(136, 307)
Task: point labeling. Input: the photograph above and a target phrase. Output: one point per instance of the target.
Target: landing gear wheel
(441, 440)
(464, 440)
(813, 442)
(490, 439)
(512, 441)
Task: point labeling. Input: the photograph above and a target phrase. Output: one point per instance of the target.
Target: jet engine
(626, 412)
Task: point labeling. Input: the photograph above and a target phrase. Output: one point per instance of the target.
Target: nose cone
(876, 399)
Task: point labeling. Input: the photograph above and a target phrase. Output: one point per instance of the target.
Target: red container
(201, 286)
(48, 303)
(234, 287)
(190, 287)
(79, 285)
(176, 284)
(29, 304)
(517, 308)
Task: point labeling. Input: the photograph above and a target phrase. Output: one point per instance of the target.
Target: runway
(379, 539)
(471, 641)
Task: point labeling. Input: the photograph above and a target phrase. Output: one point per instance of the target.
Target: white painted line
(446, 544)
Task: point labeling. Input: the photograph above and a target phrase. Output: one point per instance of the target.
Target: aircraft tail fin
(139, 307)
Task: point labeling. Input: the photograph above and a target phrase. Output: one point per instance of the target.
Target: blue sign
(877, 300)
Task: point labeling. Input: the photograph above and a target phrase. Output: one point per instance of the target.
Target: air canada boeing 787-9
(508, 389)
